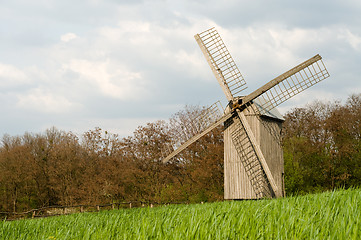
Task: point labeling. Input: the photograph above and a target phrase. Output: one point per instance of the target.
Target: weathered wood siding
(272, 149)
(236, 181)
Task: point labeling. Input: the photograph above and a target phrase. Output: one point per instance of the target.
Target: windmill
(253, 158)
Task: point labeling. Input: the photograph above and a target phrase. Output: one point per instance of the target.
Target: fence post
(130, 205)
(33, 214)
(81, 208)
(98, 208)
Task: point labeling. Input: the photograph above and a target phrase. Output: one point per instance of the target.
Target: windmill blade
(253, 160)
(289, 84)
(191, 123)
(221, 63)
(193, 129)
(196, 137)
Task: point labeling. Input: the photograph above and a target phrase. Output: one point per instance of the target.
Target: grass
(331, 215)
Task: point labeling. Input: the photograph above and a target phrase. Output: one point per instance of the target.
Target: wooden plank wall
(273, 150)
(236, 181)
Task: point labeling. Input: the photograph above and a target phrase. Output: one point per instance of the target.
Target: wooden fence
(63, 210)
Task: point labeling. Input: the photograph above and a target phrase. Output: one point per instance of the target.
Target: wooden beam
(259, 154)
(280, 78)
(196, 137)
(217, 73)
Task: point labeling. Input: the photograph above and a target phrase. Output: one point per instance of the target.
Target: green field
(331, 215)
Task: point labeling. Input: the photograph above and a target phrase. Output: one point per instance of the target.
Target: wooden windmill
(253, 159)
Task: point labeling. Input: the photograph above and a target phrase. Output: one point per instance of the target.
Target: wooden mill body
(236, 181)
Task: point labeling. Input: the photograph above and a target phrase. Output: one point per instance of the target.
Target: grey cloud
(155, 40)
(305, 14)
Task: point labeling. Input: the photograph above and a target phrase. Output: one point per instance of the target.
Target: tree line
(321, 149)
(98, 167)
(322, 146)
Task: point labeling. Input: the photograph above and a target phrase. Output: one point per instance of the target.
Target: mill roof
(273, 113)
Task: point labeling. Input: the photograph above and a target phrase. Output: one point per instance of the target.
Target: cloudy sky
(77, 65)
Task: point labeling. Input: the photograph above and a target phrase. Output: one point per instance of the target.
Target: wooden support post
(33, 214)
(81, 208)
(283, 185)
(215, 69)
(98, 208)
(130, 205)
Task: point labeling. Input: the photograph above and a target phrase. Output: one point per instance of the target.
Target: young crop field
(330, 215)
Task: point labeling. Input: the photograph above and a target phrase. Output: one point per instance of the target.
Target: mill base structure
(243, 175)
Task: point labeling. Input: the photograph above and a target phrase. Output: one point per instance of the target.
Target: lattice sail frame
(185, 129)
(250, 161)
(293, 84)
(221, 62)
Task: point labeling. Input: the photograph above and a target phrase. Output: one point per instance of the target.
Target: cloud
(352, 38)
(42, 101)
(11, 76)
(122, 126)
(113, 80)
(265, 51)
(309, 96)
(133, 61)
(68, 37)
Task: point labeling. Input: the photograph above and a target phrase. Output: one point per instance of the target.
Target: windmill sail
(290, 83)
(189, 124)
(221, 63)
(250, 161)
(190, 130)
